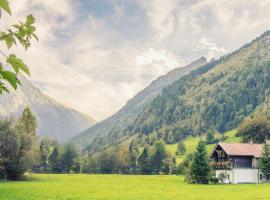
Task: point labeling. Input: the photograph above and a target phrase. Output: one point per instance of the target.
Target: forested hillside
(112, 128)
(215, 97)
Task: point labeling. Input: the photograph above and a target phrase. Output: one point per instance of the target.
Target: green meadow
(124, 187)
(191, 143)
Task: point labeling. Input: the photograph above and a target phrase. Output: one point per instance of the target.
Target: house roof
(244, 149)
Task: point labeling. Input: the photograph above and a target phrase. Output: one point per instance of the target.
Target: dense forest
(216, 97)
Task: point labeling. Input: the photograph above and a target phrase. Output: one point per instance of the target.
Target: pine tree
(144, 162)
(265, 161)
(158, 156)
(132, 156)
(200, 168)
(54, 161)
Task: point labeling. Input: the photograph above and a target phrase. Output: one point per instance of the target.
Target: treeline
(153, 159)
(21, 150)
(53, 158)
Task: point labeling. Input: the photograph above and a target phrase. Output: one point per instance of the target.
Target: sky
(95, 55)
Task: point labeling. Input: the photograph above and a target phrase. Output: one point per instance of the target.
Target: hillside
(113, 126)
(191, 143)
(215, 97)
(54, 119)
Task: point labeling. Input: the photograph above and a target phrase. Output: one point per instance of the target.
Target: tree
(44, 152)
(144, 162)
(265, 162)
(105, 162)
(184, 166)
(132, 156)
(68, 158)
(159, 154)
(21, 33)
(210, 138)
(54, 161)
(200, 168)
(181, 148)
(256, 130)
(16, 146)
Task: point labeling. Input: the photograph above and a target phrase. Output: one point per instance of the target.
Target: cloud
(95, 55)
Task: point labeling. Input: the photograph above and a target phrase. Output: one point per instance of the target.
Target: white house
(237, 163)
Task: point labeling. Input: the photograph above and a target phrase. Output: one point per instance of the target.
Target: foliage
(184, 166)
(17, 140)
(255, 129)
(19, 33)
(216, 97)
(68, 159)
(265, 162)
(159, 154)
(144, 162)
(181, 148)
(54, 161)
(200, 169)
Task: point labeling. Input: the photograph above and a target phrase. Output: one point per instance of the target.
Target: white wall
(245, 175)
(240, 175)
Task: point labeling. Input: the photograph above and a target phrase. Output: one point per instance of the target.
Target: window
(261, 177)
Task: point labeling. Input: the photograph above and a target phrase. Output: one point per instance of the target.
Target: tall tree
(132, 156)
(159, 154)
(20, 33)
(16, 147)
(44, 152)
(200, 168)
(265, 162)
(54, 161)
(144, 162)
(68, 158)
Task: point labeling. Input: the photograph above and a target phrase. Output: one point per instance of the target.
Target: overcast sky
(94, 55)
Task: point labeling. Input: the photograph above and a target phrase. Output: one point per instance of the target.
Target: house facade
(237, 163)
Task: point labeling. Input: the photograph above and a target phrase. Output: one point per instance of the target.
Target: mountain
(113, 126)
(215, 97)
(54, 119)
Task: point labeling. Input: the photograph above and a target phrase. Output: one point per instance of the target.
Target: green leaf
(9, 41)
(35, 36)
(17, 64)
(30, 20)
(3, 88)
(11, 78)
(5, 6)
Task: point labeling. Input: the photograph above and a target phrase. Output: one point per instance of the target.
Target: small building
(237, 163)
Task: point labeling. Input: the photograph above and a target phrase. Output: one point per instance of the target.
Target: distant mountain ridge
(54, 119)
(114, 125)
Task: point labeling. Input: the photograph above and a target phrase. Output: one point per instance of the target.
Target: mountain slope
(54, 120)
(215, 97)
(113, 126)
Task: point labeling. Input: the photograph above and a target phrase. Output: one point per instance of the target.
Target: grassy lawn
(124, 187)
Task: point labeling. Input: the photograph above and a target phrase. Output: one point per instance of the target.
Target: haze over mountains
(54, 119)
(215, 97)
(113, 126)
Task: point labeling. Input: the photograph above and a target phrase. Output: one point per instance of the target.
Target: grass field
(124, 187)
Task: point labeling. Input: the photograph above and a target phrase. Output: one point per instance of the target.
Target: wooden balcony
(221, 165)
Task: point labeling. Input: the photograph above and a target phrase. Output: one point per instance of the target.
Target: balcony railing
(221, 165)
